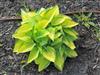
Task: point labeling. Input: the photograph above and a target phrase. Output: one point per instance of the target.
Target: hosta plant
(48, 36)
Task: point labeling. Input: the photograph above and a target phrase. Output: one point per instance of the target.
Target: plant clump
(88, 21)
(48, 36)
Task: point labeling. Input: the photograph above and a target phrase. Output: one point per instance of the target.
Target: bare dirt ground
(88, 61)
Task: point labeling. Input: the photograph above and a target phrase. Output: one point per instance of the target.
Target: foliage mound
(48, 36)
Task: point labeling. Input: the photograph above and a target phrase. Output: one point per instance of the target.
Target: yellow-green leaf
(58, 20)
(41, 24)
(57, 42)
(22, 36)
(33, 54)
(68, 42)
(40, 33)
(24, 47)
(71, 32)
(57, 35)
(18, 44)
(51, 34)
(70, 53)
(42, 11)
(69, 23)
(42, 62)
(59, 61)
(24, 28)
(50, 13)
(26, 15)
(48, 53)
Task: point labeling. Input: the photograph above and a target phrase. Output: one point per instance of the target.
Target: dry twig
(14, 18)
